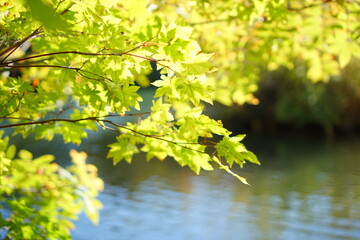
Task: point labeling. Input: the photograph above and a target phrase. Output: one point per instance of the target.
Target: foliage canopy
(70, 66)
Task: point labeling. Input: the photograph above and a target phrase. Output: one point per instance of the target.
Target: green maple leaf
(234, 151)
(44, 13)
(194, 159)
(169, 36)
(71, 132)
(174, 53)
(166, 87)
(194, 90)
(197, 68)
(45, 132)
(122, 149)
(125, 97)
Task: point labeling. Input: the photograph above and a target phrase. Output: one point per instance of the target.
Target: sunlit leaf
(11, 151)
(46, 14)
(122, 149)
(25, 155)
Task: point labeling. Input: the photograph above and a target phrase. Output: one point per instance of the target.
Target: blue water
(303, 190)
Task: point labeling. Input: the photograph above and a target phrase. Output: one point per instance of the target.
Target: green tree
(70, 66)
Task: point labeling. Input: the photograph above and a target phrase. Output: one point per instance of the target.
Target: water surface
(305, 189)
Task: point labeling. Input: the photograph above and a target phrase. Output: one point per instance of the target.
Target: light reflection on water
(302, 191)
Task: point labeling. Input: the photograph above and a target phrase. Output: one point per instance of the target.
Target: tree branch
(7, 64)
(77, 69)
(16, 45)
(98, 120)
(60, 53)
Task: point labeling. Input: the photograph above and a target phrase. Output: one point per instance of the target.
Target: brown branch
(98, 120)
(41, 122)
(6, 64)
(81, 53)
(60, 53)
(77, 69)
(11, 49)
(42, 66)
(16, 45)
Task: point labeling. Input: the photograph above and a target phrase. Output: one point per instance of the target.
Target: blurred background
(291, 104)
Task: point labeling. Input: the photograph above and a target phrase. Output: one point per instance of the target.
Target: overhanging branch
(100, 120)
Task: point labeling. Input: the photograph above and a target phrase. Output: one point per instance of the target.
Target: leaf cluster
(69, 67)
(85, 67)
(43, 198)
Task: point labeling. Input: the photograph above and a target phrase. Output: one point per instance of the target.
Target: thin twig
(60, 53)
(43, 65)
(17, 107)
(77, 69)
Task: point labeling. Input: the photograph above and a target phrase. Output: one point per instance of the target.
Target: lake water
(304, 189)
